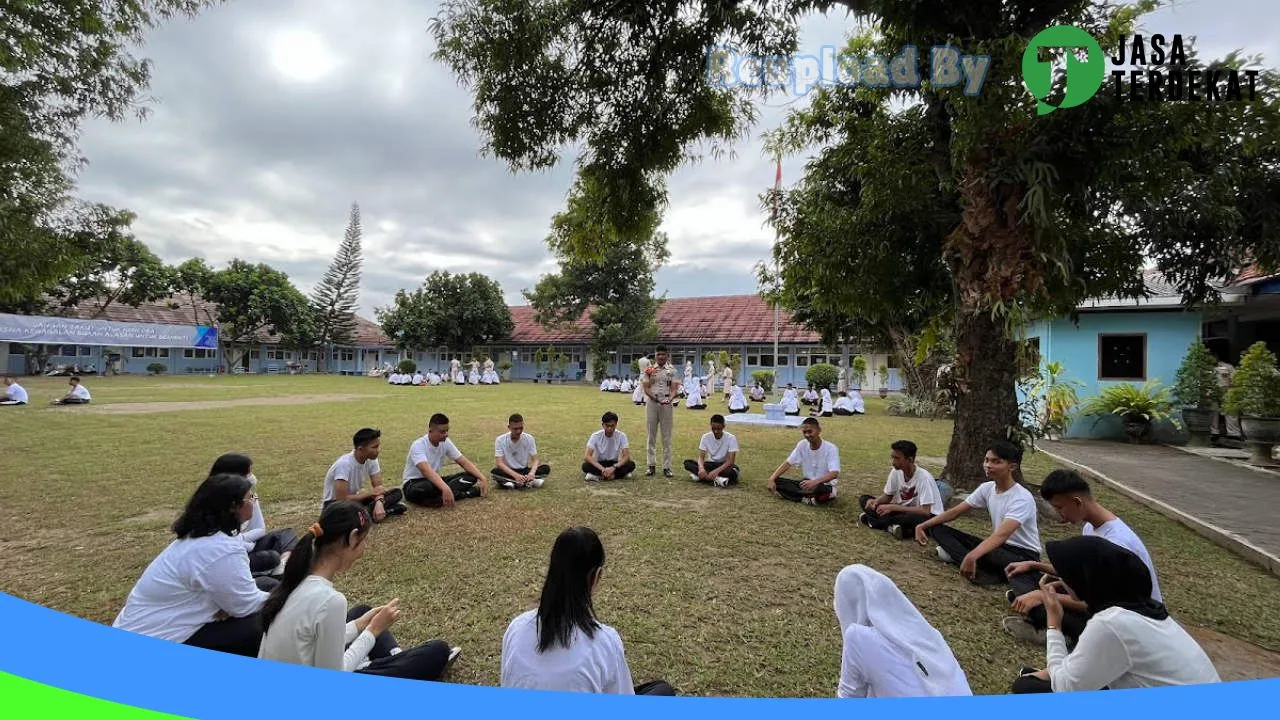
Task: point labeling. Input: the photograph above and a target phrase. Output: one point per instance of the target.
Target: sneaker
(1027, 670)
(865, 520)
(943, 555)
(667, 473)
(722, 482)
(454, 652)
(808, 501)
(897, 532)
(1022, 630)
(537, 482)
(508, 484)
(693, 477)
(1010, 596)
(650, 472)
(591, 478)
(397, 509)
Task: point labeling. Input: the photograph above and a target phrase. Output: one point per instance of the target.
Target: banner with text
(73, 331)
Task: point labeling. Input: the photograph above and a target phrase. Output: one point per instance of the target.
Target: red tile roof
(739, 319)
(719, 319)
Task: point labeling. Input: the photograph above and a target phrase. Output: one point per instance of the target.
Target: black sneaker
(865, 519)
(1010, 596)
(897, 532)
(651, 471)
(397, 509)
(667, 473)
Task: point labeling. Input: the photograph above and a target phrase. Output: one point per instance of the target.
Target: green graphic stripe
(23, 698)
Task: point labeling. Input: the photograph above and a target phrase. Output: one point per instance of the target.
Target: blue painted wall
(1076, 346)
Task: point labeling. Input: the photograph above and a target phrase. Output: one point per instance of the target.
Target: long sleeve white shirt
(1121, 649)
(312, 630)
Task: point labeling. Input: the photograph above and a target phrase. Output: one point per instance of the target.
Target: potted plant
(1197, 390)
(859, 371)
(765, 378)
(1139, 408)
(884, 381)
(1254, 396)
(1055, 398)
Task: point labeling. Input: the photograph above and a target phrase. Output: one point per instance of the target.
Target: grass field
(721, 592)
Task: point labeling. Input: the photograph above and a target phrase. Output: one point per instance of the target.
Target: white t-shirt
(421, 450)
(81, 392)
(17, 393)
(1016, 503)
(417, 379)
(815, 463)
(516, 454)
(592, 665)
(354, 472)
(607, 448)
(312, 629)
(871, 667)
(919, 491)
(186, 585)
(1120, 534)
(718, 450)
(1121, 649)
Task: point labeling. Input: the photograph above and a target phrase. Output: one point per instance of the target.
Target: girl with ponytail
(307, 621)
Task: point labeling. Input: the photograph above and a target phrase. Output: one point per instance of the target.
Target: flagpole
(777, 187)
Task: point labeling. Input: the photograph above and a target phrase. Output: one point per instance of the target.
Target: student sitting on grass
(423, 484)
(608, 453)
(267, 550)
(717, 457)
(516, 458)
(348, 474)
(1015, 531)
(910, 495)
(306, 621)
(199, 591)
(890, 650)
(560, 645)
(1070, 495)
(1130, 641)
(737, 403)
(819, 463)
(79, 394)
(14, 394)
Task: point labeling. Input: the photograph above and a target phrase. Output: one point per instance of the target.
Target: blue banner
(74, 331)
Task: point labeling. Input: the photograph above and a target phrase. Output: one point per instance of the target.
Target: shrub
(822, 375)
(1149, 403)
(1196, 384)
(913, 407)
(407, 366)
(1255, 388)
(859, 371)
(765, 378)
(156, 368)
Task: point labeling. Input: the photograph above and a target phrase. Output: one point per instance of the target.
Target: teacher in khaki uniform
(660, 387)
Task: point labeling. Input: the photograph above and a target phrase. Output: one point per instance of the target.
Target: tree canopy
(454, 311)
(335, 297)
(253, 300)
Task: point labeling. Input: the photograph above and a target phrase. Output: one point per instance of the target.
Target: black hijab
(1103, 574)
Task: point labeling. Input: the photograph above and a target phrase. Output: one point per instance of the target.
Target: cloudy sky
(270, 118)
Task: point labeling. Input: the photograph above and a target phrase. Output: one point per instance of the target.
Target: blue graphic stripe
(95, 660)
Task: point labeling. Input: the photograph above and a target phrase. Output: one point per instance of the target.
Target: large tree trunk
(992, 261)
(986, 401)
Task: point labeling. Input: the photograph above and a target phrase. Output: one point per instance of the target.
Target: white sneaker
(591, 478)
(537, 482)
(943, 555)
(722, 482)
(693, 477)
(1023, 631)
(454, 652)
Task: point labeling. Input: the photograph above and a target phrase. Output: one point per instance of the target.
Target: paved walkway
(1231, 505)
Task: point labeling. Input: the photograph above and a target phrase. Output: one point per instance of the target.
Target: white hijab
(736, 401)
(865, 597)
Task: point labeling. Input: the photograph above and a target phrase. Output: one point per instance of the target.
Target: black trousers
(656, 687)
(908, 521)
(990, 570)
(790, 490)
(620, 471)
(421, 491)
(500, 477)
(425, 662)
(266, 552)
(237, 636)
(391, 502)
(1029, 684)
(730, 474)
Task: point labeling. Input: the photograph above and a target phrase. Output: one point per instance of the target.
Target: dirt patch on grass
(1236, 659)
(147, 408)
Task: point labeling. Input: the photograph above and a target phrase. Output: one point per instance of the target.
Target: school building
(691, 328)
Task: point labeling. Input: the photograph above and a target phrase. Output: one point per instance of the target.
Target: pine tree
(335, 296)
